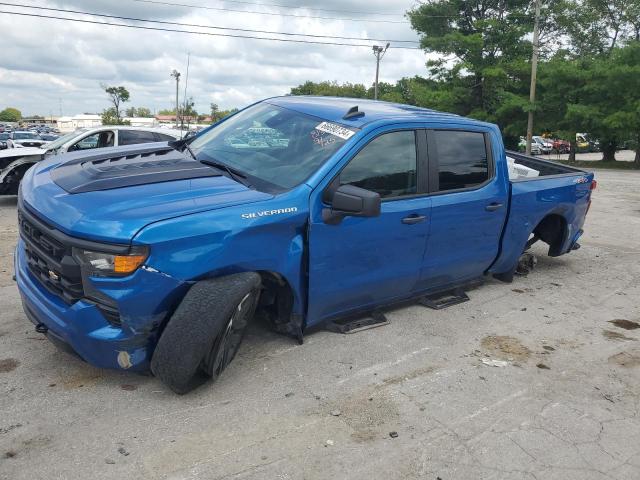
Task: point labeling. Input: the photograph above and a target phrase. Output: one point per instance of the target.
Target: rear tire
(205, 332)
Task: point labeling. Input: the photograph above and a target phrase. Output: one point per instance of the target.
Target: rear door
(361, 262)
(469, 207)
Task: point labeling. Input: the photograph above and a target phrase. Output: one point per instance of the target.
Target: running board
(445, 299)
(353, 325)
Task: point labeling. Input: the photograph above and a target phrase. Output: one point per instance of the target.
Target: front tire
(205, 332)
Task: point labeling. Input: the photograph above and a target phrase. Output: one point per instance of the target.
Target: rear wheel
(206, 330)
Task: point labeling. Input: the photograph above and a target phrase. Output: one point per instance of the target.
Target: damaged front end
(107, 322)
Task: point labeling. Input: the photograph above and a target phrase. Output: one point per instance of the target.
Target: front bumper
(145, 299)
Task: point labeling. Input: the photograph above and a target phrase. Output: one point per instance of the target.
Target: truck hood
(21, 152)
(111, 195)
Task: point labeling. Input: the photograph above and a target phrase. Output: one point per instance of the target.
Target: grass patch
(586, 164)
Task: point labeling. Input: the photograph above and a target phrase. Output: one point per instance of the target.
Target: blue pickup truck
(302, 210)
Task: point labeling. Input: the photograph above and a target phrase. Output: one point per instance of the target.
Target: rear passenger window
(387, 165)
(132, 137)
(462, 159)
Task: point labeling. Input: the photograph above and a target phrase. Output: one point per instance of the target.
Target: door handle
(413, 219)
(492, 207)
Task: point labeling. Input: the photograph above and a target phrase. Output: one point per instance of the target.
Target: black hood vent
(126, 167)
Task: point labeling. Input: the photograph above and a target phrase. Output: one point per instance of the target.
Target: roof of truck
(335, 108)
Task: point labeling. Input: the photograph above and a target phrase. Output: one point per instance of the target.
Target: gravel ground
(533, 380)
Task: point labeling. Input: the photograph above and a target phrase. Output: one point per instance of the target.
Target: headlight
(99, 264)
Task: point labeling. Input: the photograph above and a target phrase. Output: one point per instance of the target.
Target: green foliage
(109, 117)
(141, 112)
(117, 95)
(10, 114)
(480, 66)
(331, 89)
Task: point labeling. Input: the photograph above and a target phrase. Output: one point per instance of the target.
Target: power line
(215, 27)
(161, 29)
(204, 7)
(304, 7)
(222, 9)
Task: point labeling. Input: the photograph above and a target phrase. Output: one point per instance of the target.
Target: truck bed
(546, 168)
(560, 192)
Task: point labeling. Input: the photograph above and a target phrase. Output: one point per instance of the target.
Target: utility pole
(379, 53)
(534, 73)
(176, 74)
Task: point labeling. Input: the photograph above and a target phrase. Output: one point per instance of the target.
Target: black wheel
(205, 332)
(226, 344)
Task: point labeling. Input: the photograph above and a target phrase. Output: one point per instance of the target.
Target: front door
(362, 262)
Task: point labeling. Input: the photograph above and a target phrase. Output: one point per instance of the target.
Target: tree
(10, 114)
(109, 117)
(214, 112)
(117, 95)
(476, 39)
(597, 27)
(333, 89)
(144, 112)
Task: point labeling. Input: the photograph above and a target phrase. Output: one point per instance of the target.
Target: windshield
(63, 139)
(24, 135)
(273, 144)
(4, 136)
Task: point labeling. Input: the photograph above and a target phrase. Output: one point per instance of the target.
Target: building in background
(69, 124)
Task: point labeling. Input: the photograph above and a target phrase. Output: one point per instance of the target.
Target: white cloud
(46, 63)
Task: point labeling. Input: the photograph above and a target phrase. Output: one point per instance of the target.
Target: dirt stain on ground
(626, 324)
(395, 380)
(8, 365)
(83, 379)
(611, 335)
(626, 359)
(506, 348)
(368, 414)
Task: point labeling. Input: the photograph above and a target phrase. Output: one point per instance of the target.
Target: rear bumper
(144, 300)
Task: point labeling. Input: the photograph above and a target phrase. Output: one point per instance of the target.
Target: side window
(97, 140)
(387, 165)
(86, 143)
(161, 137)
(132, 137)
(462, 159)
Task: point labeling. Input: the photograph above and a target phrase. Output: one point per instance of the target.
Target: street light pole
(176, 74)
(534, 73)
(379, 52)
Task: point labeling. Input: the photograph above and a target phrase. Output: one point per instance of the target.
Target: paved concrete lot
(561, 404)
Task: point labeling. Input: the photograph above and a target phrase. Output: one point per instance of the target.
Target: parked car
(561, 146)
(310, 209)
(48, 137)
(23, 138)
(4, 137)
(522, 146)
(585, 143)
(14, 162)
(545, 146)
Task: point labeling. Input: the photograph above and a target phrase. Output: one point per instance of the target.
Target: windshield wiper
(181, 146)
(234, 174)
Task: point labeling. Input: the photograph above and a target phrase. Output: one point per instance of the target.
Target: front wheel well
(276, 304)
(553, 231)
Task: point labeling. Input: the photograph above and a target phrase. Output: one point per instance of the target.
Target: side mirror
(348, 200)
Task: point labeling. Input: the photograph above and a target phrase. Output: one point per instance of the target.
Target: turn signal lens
(102, 264)
(127, 263)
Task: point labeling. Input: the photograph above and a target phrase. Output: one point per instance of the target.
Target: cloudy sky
(51, 65)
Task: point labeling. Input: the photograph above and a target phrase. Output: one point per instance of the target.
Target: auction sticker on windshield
(336, 130)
